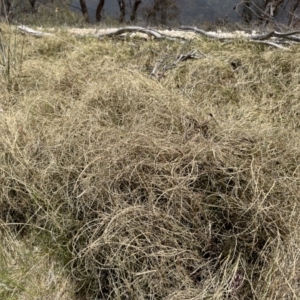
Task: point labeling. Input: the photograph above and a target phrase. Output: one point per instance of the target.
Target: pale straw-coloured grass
(183, 186)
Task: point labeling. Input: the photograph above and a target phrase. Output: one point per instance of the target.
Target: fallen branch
(33, 32)
(278, 38)
(281, 37)
(270, 44)
(130, 29)
(274, 34)
(202, 32)
(133, 29)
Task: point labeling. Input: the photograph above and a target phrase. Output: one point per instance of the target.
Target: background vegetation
(153, 12)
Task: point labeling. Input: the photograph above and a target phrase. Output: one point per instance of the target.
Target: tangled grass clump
(185, 187)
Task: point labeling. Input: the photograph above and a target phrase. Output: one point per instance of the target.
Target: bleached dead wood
(134, 29)
(270, 44)
(277, 35)
(116, 32)
(274, 39)
(278, 38)
(33, 32)
(203, 32)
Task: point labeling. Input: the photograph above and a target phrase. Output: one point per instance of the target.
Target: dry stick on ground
(156, 34)
(276, 34)
(258, 39)
(203, 32)
(33, 32)
(183, 57)
(180, 58)
(132, 29)
(191, 55)
(270, 44)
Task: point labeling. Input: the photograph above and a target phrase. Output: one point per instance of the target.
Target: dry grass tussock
(126, 186)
